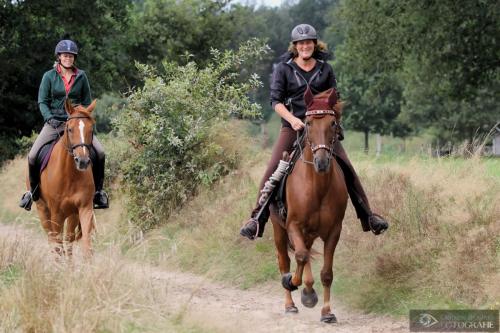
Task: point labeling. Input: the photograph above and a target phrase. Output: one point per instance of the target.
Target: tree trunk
(367, 131)
(379, 145)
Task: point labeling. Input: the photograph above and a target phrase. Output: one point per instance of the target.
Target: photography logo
(427, 320)
(454, 321)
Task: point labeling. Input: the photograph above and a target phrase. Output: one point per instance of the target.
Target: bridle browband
(70, 148)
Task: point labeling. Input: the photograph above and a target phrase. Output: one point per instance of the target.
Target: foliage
(107, 109)
(30, 31)
(409, 65)
(169, 123)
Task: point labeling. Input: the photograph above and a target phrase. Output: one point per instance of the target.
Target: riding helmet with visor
(66, 46)
(304, 32)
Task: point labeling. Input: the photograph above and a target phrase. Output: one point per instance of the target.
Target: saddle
(280, 196)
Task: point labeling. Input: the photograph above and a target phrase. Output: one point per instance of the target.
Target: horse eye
(308, 123)
(70, 130)
(334, 123)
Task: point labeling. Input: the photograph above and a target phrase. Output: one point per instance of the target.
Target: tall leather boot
(101, 200)
(34, 193)
(369, 221)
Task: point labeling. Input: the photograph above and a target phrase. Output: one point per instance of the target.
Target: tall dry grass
(441, 251)
(106, 295)
(443, 246)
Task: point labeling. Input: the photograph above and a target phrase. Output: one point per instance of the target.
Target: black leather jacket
(288, 84)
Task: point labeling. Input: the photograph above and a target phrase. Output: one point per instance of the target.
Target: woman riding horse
(58, 84)
(305, 65)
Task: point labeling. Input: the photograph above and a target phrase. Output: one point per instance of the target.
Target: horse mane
(80, 110)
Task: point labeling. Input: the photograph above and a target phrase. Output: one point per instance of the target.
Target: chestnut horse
(67, 186)
(316, 200)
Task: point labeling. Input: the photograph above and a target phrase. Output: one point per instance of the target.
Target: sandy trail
(222, 308)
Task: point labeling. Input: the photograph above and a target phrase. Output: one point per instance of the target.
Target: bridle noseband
(70, 148)
(315, 148)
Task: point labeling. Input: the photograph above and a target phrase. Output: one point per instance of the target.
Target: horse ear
(332, 98)
(91, 107)
(68, 106)
(308, 97)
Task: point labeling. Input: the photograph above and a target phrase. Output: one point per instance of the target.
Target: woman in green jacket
(61, 82)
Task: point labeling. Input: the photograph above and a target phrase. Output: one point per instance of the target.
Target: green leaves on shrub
(169, 123)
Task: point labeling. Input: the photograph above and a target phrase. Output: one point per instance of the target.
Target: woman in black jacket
(305, 65)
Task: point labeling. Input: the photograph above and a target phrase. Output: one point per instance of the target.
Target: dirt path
(226, 309)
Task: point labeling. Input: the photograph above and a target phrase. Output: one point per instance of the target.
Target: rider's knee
(32, 157)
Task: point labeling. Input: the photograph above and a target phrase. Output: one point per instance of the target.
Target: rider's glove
(54, 122)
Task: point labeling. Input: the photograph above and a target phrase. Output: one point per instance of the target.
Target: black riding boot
(254, 226)
(369, 221)
(101, 200)
(34, 193)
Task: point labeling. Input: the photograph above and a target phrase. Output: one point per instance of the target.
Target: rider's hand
(54, 122)
(297, 124)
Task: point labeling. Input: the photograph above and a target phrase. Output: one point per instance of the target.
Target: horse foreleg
(301, 254)
(44, 215)
(327, 276)
(55, 226)
(71, 234)
(281, 243)
(309, 298)
(87, 224)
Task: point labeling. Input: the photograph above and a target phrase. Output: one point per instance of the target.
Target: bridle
(70, 147)
(315, 148)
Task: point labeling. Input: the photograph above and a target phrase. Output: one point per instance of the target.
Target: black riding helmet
(304, 32)
(66, 46)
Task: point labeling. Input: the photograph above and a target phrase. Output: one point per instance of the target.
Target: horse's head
(79, 133)
(322, 121)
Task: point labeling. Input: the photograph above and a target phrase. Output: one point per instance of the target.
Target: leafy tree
(421, 65)
(30, 30)
(367, 66)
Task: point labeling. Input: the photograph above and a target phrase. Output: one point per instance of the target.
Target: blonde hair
(319, 47)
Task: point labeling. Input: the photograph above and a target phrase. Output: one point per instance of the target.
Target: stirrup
(26, 201)
(248, 229)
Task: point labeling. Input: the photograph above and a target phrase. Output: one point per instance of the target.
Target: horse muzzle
(321, 162)
(82, 162)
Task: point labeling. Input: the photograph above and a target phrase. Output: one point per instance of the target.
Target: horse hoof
(309, 299)
(286, 282)
(292, 309)
(329, 318)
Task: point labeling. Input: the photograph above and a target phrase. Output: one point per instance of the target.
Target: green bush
(107, 109)
(170, 123)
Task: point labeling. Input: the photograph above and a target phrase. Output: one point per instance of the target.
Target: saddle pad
(45, 152)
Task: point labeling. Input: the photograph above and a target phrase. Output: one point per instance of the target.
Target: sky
(269, 3)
